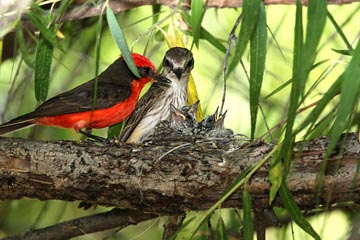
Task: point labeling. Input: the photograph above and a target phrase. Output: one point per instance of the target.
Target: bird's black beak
(178, 72)
(162, 80)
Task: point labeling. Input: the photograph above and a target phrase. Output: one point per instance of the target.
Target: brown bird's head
(178, 63)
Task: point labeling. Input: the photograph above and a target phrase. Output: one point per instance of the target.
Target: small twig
(170, 151)
(231, 38)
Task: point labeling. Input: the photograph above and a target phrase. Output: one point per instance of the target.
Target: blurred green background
(77, 65)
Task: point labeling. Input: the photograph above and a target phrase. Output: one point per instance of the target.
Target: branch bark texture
(172, 176)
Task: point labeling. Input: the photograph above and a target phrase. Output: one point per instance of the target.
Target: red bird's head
(147, 71)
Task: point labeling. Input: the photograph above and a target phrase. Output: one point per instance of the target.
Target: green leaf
(250, 12)
(220, 229)
(42, 23)
(196, 19)
(248, 226)
(240, 180)
(322, 127)
(340, 32)
(350, 91)
(204, 34)
(286, 149)
(114, 131)
(295, 212)
(275, 176)
(343, 52)
(156, 12)
(304, 55)
(22, 46)
(323, 103)
(120, 40)
(257, 65)
(183, 229)
(97, 56)
(43, 59)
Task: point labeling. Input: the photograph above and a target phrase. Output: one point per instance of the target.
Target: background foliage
(298, 76)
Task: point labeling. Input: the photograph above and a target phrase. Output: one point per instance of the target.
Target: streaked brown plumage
(154, 106)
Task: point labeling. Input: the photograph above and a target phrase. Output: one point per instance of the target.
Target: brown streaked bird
(155, 105)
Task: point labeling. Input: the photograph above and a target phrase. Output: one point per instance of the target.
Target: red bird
(118, 91)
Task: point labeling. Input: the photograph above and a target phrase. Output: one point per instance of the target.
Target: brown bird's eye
(190, 63)
(166, 63)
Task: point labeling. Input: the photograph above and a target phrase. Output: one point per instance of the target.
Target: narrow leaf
(250, 12)
(339, 31)
(220, 229)
(204, 34)
(196, 19)
(275, 176)
(120, 40)
(43, 59)
(343, 52)
(257, 65)
(248, 226)
(22, 46)
(41, 23)
(295, 212)
(156, 12)
(323, 103)
(350, 91)
(97, 56)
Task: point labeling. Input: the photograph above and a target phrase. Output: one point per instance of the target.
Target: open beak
(164, 81)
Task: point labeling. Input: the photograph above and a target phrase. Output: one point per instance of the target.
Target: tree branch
(190, 178)
(85, 11)
(85, 225)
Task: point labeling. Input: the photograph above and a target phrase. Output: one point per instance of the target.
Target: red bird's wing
(114, 86)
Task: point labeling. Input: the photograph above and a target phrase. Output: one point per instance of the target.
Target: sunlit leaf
(22, 46)
(155, 12)
(204, 34)
(196, 18)
(350, 91)
(275, 176)
(339, 31)
(48, 33)
(220, 229)
(343, 52)
(97, 57)
(43, 59)
(257, 65)
(294, 211)
(120, 40)
(324, 101)
(247, 219)
(250, 12)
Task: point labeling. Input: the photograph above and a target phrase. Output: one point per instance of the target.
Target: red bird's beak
(162, 80)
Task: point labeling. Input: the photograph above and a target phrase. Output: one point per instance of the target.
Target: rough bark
(170, 176)
(85, 11)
